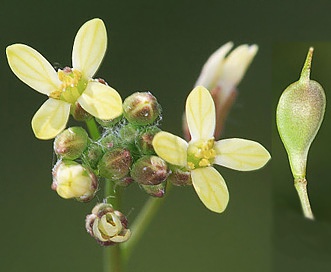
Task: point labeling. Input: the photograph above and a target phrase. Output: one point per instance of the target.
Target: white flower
(202, 151)
(68, 86)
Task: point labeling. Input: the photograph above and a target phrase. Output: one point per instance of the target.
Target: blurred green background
(160, 46)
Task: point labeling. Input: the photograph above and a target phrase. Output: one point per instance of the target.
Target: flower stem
(93, 128)
(112, 258)
(300, 185)
(141, 223)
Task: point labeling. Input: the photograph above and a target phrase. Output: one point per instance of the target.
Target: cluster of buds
(128, 154)
(107, 225)
(124, 154)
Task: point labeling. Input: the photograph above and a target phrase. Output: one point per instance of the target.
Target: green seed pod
(141, 108)
(299, 115)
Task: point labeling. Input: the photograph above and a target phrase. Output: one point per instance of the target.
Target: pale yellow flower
(226, 69)
(65, 88)
(202, 151)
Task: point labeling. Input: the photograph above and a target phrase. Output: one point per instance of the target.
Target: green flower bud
(71, 143)
(108, 141)
(299, 115)
(180, 177)
(149, 170)
(107, 225)
(93, 154)
(144, 140)
(141, 108)
(72, 180)
(155, 190)
(115, 164)
(108, 123)
(124, 182)
(128, 133)
(79, 113)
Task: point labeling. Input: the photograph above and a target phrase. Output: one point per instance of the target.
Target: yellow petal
(200, 114)
(171, 148)
(50, 119)
(110, 229)
(235, 66)
(241, 154)
(32, 68)
(211, 188)
(101, 101)
(212, 69)
(122, 237)
(89, 47)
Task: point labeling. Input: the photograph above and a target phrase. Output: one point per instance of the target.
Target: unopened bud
(115, 164)
(71, 143)
(180, 177)
(72, 180)
(107, 225)
(149, 170)
(124, 182)
(128, 133)
(79, 113)
(155, 190)
(93, 154)
(109, 123)
(141, 108)
(108, 141)
(144, 140)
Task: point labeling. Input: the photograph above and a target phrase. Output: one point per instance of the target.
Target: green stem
(93, 129)
(112, 257)
(141, 223)
(300, 185)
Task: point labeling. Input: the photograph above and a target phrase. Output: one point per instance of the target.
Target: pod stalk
(300, 185)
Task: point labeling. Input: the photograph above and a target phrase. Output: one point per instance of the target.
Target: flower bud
(144, 140)
(108, 141)
(93, 154)
(299, 116)
(180, 177)
(155, 190)
(72, 180)
(124, 182)
(149, 170)
(107, 226)
(128, 134)
(71, 143)
(115, 164)
(108, 123)
(141, 108)
(79, 113)
(221, 74)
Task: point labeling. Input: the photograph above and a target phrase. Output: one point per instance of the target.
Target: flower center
(200, 153)
(72, 85)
